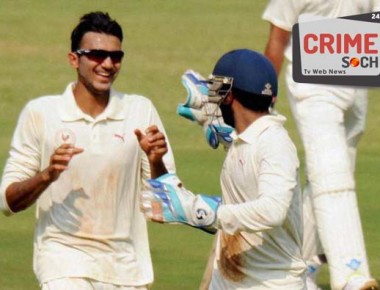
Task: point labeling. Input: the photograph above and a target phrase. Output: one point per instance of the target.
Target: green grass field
(162, 40)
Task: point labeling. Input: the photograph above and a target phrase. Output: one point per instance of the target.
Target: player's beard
(227, 114)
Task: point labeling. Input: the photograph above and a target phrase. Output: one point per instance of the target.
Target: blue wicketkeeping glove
(167, 201)
(204, 109)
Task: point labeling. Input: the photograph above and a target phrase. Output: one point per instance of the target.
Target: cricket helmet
(247, 70)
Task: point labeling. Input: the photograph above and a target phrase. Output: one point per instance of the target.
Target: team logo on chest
(64, 136)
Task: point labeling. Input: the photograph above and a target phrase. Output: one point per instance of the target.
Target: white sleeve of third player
(283, 13)
(277, 182)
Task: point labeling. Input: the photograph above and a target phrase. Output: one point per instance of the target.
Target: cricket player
(330, 120)
(77, 156)
(259, 220)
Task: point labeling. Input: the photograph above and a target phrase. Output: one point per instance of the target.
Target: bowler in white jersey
(76, 155)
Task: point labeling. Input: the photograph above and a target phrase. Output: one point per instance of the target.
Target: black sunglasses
(101, 55)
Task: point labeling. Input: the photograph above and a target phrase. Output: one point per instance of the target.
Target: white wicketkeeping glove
(204, 109)
(167, 201)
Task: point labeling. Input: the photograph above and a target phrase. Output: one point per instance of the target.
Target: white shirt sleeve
(24, 155)
(283, 13)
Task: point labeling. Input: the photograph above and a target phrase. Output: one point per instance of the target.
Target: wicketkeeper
(258, 220)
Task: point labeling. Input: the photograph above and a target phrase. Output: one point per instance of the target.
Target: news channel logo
(337, 51)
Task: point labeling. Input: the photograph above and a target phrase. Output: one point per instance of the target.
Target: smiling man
(77, 156)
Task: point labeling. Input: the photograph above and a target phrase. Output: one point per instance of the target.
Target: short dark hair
(254, 102)
(95, 22)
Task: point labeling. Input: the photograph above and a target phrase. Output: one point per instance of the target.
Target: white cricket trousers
(330, 127)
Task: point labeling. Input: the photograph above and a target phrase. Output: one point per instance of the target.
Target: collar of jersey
(250, 134)
(70, 112)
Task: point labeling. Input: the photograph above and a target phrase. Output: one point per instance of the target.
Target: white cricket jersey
(260, 221)
(88, 221)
